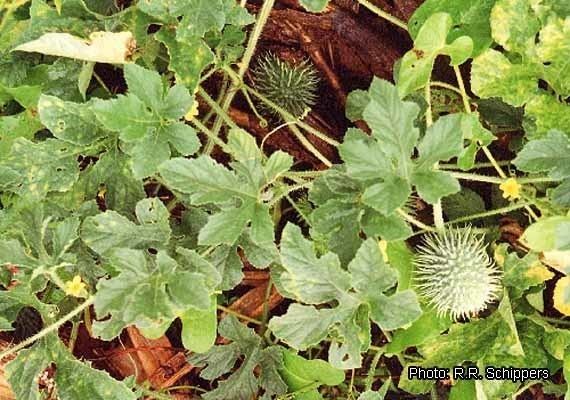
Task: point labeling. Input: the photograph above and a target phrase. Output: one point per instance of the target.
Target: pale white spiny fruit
(455, 274)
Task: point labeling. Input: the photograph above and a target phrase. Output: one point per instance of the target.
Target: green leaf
(300, 373)
(391, 227)
(394, 312)
(566, 371)
(146, 120)
(363, 156)
(145, 84)
(546, 155)
(388, 195)
(470, 18)
(462, 204)
(442, 141)
(75, 380)
(72, 122)
(310, 279)
(357, 296)
(162, 9)
(302, 326)
(315, 6)
(205, 16)
(392, 120)
(148, 293)
(110, 230)
(369, 272)
(477, 136)
(551, 233)
(23, 125)
(13, 300)
(433, 185)
(428, 326)
(204, 180)
(199, 327)
(127, 115)
(356, 101)
(431, 41)
(239, 193)
(544, 113)
(243, 383)
(112, 177)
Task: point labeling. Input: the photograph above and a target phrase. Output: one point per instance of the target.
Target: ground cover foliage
(149, 216)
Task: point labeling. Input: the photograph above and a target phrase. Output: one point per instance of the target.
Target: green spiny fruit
(293, 87)
(455, 274)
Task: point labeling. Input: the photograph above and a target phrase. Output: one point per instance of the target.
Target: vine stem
(414, 221)
(309, 146)
(493, 179)
(383, 14)
(51, 328)
(437, 208)
(490, 213)
(475, 166)
(485, 149)
(212, 103)
(211, 135)
(239, 315)
(373, 365)
(291, 189)
(262, 17)
(446, 86)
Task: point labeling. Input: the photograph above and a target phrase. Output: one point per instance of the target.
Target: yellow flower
(192, 112)
(75, 287)
(511, 189)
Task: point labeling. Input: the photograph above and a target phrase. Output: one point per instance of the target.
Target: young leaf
(392, 121)
(149, 124)
(387, 171)
(431, 40)
(470, 18)
(300, 373)
(239, 193)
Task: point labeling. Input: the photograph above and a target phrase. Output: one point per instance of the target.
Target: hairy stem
(243, 66)
(383, 14)
(49, 329)
(485, 149)
(414, 221)
(489, 213)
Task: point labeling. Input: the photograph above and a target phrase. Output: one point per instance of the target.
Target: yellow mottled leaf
(562, 295)
(539, 272)
(102, 47)
(559, 260)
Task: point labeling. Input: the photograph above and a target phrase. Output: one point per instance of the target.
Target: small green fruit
(293, 87)
(455, 274)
